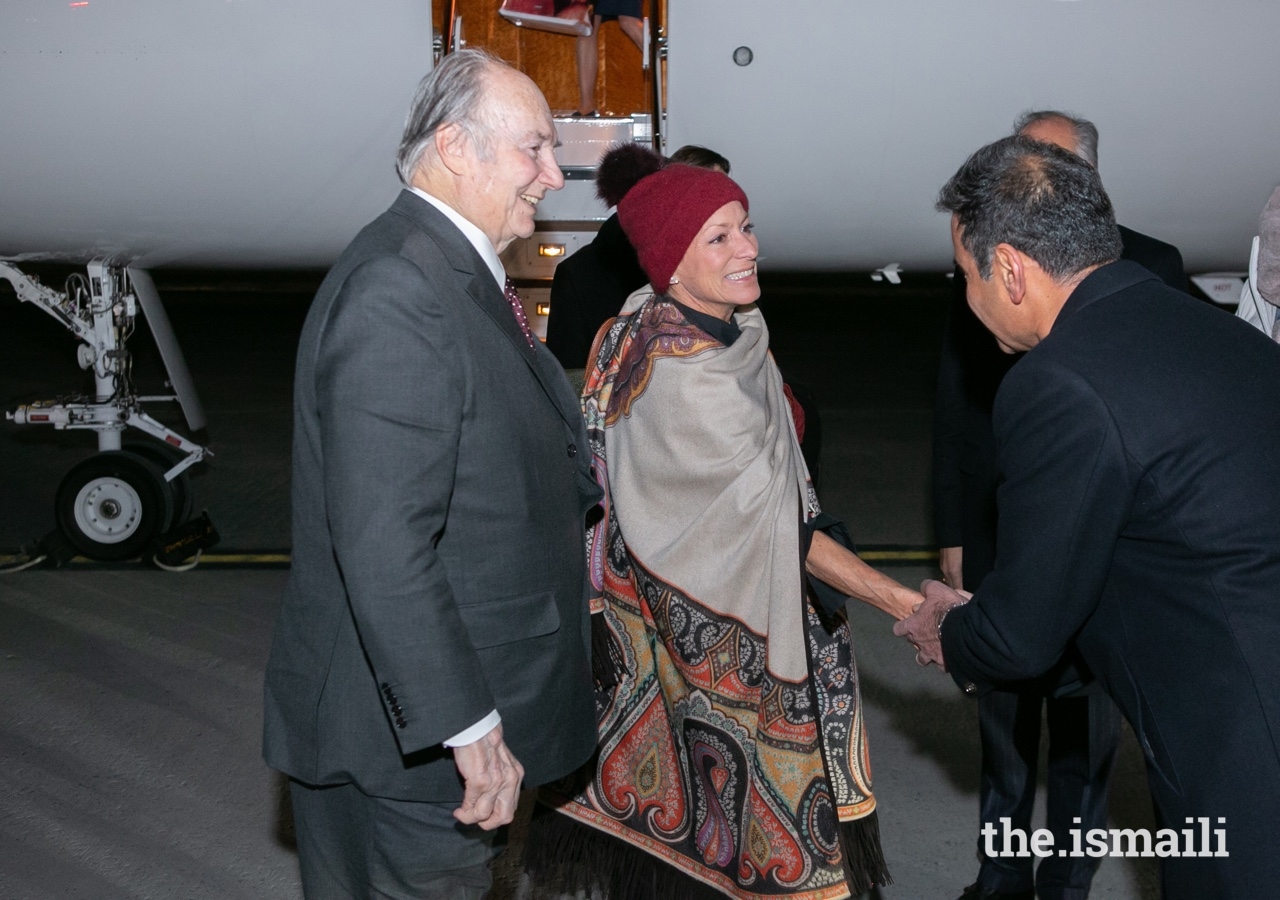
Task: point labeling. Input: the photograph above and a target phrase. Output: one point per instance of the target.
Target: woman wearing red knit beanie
(732, 754)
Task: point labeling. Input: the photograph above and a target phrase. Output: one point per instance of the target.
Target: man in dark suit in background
(1080, 136)
(433, 645)
(588, 289)
(1084, 724)
(1137, 439)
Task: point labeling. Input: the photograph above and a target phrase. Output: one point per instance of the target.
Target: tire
(113, 505)
(165, 459)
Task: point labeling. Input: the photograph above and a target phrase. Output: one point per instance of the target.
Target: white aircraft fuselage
(261, 133)
(853, 113)
(203, 132)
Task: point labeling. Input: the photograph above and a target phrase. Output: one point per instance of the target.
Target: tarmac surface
(130, 735)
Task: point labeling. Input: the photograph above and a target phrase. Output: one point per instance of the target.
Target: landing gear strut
(119, 503)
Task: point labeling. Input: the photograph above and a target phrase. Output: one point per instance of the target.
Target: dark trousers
(355, 847)
(1084, 734)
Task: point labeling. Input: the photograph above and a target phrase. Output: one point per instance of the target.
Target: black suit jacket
(1140, 521)
(1161, 259)
(964, 451)
(440, 479)
(588, 290)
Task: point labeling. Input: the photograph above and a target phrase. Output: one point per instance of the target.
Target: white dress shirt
(473, 234)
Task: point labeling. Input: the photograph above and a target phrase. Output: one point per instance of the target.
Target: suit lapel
(484, 292)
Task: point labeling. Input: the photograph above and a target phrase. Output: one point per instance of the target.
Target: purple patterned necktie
(518, 309)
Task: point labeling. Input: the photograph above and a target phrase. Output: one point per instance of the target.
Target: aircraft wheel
(181, 488)
(111, 506)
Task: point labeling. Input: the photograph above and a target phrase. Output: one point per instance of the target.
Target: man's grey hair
(1085, 131)
(452, 94)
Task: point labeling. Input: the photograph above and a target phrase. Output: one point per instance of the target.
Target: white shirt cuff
(476, 731)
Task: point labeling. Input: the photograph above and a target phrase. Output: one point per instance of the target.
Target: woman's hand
(843, 570)
(951, 562)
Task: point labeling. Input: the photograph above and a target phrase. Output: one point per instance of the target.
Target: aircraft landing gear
(114, 505)
(179, 487)
(130, 498)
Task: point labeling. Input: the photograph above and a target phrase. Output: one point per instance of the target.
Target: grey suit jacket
(440, 481)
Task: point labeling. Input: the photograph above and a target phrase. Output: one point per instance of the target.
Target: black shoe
(976, 891)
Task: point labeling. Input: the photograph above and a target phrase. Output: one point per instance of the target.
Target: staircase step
(584, 139)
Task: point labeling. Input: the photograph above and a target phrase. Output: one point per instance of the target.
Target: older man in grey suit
(433, 648)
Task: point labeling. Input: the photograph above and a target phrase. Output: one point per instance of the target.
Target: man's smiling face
(512, 175)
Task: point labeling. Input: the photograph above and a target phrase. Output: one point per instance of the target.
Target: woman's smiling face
(718, 271)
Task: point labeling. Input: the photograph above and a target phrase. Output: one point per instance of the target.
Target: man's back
(1141, 445)
(1192, 409)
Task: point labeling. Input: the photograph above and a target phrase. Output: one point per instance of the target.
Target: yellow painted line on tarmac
(232, 559)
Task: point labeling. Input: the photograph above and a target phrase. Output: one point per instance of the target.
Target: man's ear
(1010, 267)
(453, 145)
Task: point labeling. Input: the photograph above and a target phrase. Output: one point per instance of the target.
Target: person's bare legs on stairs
(588, 57)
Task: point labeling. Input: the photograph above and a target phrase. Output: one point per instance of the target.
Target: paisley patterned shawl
(731, 746)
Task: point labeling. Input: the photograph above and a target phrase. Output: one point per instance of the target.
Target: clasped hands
(923, 627)
(492, 774)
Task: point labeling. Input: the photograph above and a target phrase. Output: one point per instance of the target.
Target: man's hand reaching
(921, 628)
(492, 776)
